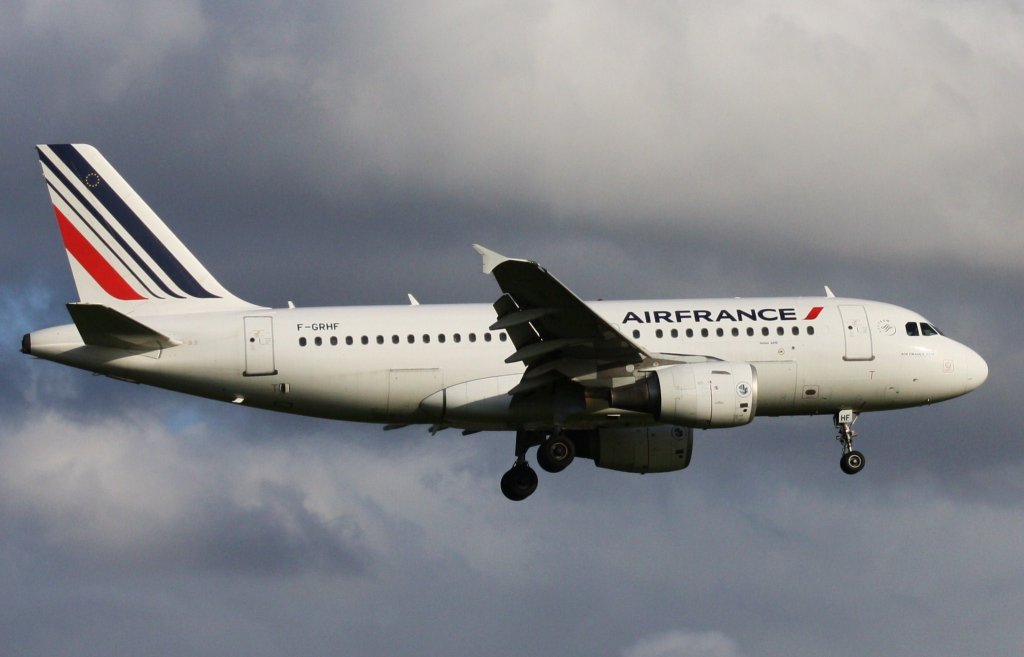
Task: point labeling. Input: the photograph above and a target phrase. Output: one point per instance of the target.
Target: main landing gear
(554, 454)
(852, 461)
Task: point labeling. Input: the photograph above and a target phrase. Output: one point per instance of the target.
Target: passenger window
(659, 333)
(364, 340)
(810, 330)
(636, 333)
(440, 338)
(395, 339)
(410, 338)
(796, 330)
(348, 340)
(302, 342)
(472, 337)
(719, 332)
(912, 329)
(780, 331)
(675, 333)
(503, 337)
(689, 333)
(487, 337)
(764, 331)
(380, 339)
(735, 332)
(426, 338)
(318, 341)
(334, 341)
(457, 338)
(750, 331)
(703, 333)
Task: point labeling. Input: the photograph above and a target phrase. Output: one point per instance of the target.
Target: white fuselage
(441, 365)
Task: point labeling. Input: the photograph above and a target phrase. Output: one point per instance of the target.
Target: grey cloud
(679, 643)
(125, 491)
(364, 540)
(350, 153)
(708, 116)
(108, 45)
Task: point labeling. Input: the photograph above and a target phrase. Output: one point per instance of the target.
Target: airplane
(622, 383)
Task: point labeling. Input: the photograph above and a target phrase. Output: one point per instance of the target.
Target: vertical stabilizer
(122, 255)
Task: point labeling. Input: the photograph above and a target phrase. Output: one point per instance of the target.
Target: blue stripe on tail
(132, 224)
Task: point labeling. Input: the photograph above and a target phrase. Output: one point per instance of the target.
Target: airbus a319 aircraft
(623, 383)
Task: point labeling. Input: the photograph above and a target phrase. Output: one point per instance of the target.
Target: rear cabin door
(857, 332)
(259, 346)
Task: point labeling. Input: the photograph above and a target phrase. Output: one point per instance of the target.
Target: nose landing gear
(852, 461)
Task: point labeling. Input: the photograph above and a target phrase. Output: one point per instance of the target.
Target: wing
(557, 336)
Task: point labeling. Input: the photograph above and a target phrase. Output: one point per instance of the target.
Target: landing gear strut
(520, 481)
(554, 454)
(852, 461)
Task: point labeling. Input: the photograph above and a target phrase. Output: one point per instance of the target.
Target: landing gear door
(259, 346)
(857, 332)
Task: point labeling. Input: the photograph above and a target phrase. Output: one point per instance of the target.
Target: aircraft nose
(977, 370)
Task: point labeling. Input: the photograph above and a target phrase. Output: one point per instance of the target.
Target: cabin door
(259, 346)
(857, 332)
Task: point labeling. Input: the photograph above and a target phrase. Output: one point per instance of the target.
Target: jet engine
(637, 449)
(701, 395)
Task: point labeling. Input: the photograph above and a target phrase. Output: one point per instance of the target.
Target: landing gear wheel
(852, 462)
(519, 482)
(556, 453)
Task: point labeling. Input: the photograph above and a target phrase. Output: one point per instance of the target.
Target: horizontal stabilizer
(101, 326)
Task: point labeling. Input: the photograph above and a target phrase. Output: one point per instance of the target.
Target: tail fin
(122, 255)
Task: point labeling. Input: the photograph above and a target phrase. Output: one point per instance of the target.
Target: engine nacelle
(640, 449)
(701, 395)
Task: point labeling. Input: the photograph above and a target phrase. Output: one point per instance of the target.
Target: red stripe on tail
(94, 263)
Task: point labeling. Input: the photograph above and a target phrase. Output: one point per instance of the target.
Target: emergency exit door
(857, 332)
(259, 346)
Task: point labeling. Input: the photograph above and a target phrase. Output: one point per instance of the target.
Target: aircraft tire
(519, 482)
(852, 462)
(556, 453)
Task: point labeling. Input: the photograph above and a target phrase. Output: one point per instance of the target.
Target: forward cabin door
(857, 332)
(259, 346)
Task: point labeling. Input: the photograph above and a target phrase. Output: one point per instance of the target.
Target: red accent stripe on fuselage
(815, 311)
(94, 263)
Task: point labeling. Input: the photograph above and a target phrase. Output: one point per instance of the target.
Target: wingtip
(491, 259)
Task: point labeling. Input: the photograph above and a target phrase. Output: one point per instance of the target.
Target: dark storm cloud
(350, 153)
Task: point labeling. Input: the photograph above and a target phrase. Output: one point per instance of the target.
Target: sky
(333, 153)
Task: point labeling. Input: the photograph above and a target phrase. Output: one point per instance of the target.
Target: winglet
(491, 258)
(829, 293)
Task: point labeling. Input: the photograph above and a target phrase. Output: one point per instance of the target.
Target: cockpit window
(924, 328)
